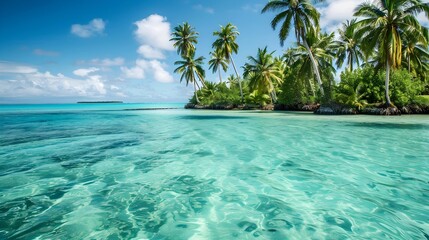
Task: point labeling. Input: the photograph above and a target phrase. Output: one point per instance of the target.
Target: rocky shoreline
(328, 109)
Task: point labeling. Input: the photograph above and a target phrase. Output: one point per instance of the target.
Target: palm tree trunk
(201, 80)
(386, 83)
(196, 94)
(220, 76)
(315, 67)
(409, 64)
(273, 93)
(238, 78)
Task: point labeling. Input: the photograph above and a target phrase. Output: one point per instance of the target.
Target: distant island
(101, 102)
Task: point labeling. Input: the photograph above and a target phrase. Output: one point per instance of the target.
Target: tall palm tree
(299, 14)
(184, 38)
(226, 45)
(348, 46)
(191, 70)
(385, 25)
(217, 62)
(263, 73)
(321, 50)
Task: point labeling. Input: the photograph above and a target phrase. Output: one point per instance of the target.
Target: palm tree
(322, 51)
(385, 25)
(226, 45)
(263, 73)
(299, 14)
(218, 61)
(191, 70)
(415, 53)
(184, 38)
(348, 46)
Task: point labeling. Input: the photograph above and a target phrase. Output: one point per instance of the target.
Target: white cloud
(150, 52)
(154, 67)
(159, 73)
(94, 27)
(133, 73)
(47, 53)
(10, 67)
(39, 84)
(83, 72)
(335, 12)
(154, 31)
(202, 8)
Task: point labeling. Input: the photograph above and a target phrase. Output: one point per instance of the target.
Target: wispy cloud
(10, 67)
(94, 27)
(200, 7)
(42, 52)
(106, 62)
(42, 84)
(83, 72)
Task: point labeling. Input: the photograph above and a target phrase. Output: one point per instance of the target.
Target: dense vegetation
(384, 53)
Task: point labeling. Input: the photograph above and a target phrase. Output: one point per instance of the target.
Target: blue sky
(73, 50)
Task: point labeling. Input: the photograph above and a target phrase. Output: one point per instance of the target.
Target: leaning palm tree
(226, 45)
(184, 38)
(348, 46)
(300, 15)
(263, 73)
(322, 51)
(217, 62)
(385, 25)
(191, 70)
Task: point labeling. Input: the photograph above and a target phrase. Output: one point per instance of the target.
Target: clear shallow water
(181, 174)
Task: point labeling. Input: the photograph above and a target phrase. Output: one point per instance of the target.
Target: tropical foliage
(264, 73)
(226, 45)
(301, 15)
(384, 55)
(191, 70)
(348, 46)
(385, 25)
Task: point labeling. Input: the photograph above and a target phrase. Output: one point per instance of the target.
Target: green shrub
(217, 94)
(349, 90)
(403, 88)
(294, 89)
(422, 100)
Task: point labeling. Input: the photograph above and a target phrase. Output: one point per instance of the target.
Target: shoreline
(317, 109)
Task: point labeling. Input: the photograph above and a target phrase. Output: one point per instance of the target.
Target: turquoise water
(97, 172)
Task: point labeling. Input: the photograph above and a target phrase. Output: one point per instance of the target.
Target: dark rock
(325, 110)
(268, 107)
(310, 107)
(296, 107)
(189, 106)
(381, 111)
(335, 109)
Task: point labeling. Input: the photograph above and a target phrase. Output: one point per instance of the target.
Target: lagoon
(99, 172)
